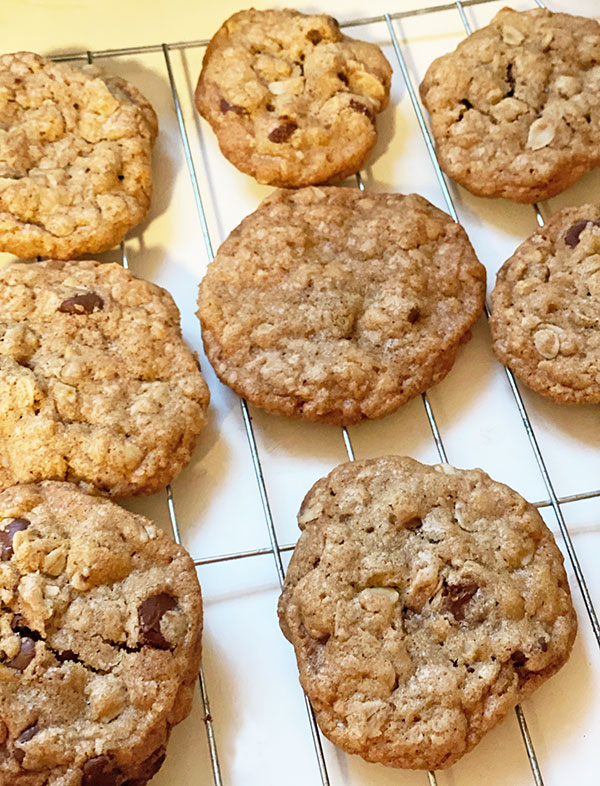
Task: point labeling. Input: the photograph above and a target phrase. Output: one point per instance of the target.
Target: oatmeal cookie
(335, 305)
(96, 383)
(75, 157)
(291, 99)
(100, 629)
(515, 110)
(423, 604)
(546, 302)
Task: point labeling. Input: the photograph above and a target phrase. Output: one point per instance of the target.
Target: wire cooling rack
(552, 500)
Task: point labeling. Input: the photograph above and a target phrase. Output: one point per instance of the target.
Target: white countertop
(262, 734)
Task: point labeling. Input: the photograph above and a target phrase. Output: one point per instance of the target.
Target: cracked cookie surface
(100, 626)
(423, 604)
(75, 157)
(291, 99)
(96, 382)
(545, 307)
(515, 109)
(335, 305)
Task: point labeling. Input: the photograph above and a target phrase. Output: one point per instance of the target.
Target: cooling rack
(518, 445)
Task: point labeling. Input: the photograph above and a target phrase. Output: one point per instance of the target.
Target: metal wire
(124, 260)
(347, 443)
(589, 605)
(515, 391)
(463, 16)
(124, 51)
(275, 549)
(210, 733)
(247, 420)
(437, 437)
(534, 764)
(546, 503)
(208, 724)
(535, 767)
(538, 215)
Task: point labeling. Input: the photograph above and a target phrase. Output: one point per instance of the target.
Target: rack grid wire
(276, 549)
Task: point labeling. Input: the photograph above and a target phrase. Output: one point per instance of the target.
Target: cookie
(423, 604)
(335, 305)
(515, 109)
(96, 383)
(291, 99)
(75, 150)
(545, 308)
(100, 629)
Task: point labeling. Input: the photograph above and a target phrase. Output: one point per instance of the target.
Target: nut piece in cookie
(515, 109)
(291, 99)
(100, 639)
(423, 604)
(75, 157)
(334, 305)
(545, 307)
(96, 383)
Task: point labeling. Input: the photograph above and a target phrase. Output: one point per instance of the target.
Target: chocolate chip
(283, 132)
(82, 304)
(18, 621)
(100, 771)
(314, 37)
(413, 315)
(572, 234)
(467, 105)
(25, 736)
(150, 614)
(227, 107)
(342, 77)
(28, 733)
(456, 598)
(24, 656)
(518, 658)
(358, 107)
(543, 644)
(7, 535)
(511, 81)
(65, 655)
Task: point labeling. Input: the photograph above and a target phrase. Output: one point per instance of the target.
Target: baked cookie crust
(423, 604)
(545, 306)
(335, 305)
(515, 109)
(75, 157)
(100, 630)
(291, 99)
(96, 383)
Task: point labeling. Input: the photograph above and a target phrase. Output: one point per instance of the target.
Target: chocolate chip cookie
(423, 604)
(515, 110)
(75, 157)
(335, 305)
(545, 308)
(291, 99)
(96, 383)
(100, 629)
